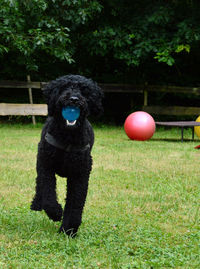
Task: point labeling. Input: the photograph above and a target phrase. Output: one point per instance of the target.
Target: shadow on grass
(175, 140)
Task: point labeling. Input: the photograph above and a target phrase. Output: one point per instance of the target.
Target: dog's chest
(69, 163)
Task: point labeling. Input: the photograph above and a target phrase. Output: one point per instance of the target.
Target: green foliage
(31, 27)
(37, 34)
(137, 30)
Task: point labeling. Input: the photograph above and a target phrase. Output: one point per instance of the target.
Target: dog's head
(73, 91)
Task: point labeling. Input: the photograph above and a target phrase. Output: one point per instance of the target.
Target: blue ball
(71, 113)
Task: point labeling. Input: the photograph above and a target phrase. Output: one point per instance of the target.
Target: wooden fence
(171, 110)
(41, 109)
(7, 109)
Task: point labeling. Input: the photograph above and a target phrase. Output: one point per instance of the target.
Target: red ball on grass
(139, 126)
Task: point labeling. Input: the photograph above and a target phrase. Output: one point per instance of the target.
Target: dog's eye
(66, 95)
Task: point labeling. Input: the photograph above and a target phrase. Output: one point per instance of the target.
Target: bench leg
(181, 134)
(192, 133)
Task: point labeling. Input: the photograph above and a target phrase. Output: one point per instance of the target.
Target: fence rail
(110, 88)
(173, 89)
(41, 109)
(20, 84)
(23, 109)
(172, 110)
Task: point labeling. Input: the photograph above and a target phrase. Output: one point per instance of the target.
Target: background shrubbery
(111, 41)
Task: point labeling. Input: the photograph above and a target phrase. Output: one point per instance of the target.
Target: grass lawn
(142, 209)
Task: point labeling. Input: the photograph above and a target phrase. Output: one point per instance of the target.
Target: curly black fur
(76, 163)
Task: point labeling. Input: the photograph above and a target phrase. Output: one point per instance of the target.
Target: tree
(32, 28)
(99, 37)
(132, 31)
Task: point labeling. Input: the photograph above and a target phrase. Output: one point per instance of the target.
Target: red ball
(139, 126)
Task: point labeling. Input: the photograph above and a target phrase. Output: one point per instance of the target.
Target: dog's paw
(36, 205)
(54, 212)
(72, 232)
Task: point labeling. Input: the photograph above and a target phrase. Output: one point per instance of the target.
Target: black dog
(65, 149)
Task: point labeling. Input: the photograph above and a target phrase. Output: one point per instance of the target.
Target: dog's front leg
(45, 197)
(76, 196)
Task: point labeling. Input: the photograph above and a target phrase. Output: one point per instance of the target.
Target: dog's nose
(73, 98)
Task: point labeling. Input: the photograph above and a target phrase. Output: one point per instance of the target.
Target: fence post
(31, 98)
(145, 95)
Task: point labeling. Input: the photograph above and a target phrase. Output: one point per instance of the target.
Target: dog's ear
(95, 101)
(49, 93)
(94, 96)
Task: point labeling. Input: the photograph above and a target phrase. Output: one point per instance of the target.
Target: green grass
(142, 209)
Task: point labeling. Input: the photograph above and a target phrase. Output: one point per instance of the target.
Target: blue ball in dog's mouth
(71, 114)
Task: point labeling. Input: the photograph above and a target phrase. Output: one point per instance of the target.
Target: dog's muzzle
(71, 114)
(71, 108)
